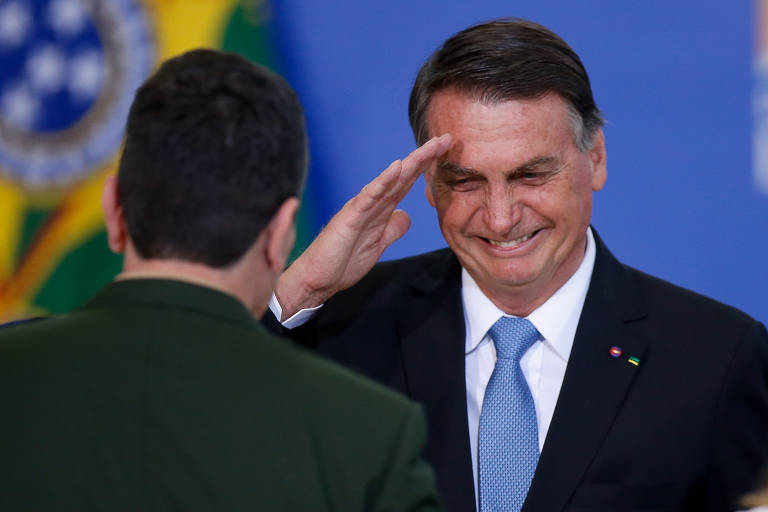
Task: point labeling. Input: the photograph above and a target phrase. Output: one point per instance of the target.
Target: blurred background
(683, 86)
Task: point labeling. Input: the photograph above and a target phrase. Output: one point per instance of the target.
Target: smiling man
(553, 376)
(514, 196)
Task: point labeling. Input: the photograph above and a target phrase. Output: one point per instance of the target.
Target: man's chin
(510, 279)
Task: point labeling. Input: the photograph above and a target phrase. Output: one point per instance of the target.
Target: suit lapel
(430, 323)
(595, 383)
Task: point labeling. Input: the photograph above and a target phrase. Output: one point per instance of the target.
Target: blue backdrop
(673, 79)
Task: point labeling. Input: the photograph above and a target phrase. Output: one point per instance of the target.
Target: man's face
(514, 193)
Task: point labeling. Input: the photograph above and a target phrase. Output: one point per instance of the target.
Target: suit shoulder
(419, 262)
(437, 266)
(369, 303)
(687, 306)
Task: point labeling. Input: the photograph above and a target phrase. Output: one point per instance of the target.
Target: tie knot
(513, 336)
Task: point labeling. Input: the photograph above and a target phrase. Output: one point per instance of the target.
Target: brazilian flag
(68, 72)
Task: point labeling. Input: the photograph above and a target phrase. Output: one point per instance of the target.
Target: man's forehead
(502, 136)
(452, 108)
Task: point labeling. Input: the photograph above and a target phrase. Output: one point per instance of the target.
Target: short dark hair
(214, 145)
(507, 59)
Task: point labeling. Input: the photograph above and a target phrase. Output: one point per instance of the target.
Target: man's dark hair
(502, 60)
(214, 145)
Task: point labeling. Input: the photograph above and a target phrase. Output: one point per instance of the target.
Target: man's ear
(117, 234)
(281, 234)
(598, 158)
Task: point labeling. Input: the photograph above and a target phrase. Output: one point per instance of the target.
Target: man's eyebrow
(530, 165)
(534, 163)
(454, 169)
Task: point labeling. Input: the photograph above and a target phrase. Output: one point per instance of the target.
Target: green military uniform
(164, 395)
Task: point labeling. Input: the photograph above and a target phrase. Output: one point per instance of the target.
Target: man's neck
(238, 280)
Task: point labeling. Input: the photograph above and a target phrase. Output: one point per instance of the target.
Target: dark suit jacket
(162, 395)
(686, 429)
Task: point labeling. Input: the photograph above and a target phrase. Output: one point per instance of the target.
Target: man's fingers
(444, 143)
(433, 148)
(419, 160)
(371, 194)
(413, 163)
(384, 181)
(401, 174)
(398, 224)
(389, 187)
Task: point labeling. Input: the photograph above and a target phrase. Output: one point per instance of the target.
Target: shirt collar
(556, 319)
(168, 274)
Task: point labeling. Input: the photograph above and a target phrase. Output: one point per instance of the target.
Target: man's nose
(502, 209)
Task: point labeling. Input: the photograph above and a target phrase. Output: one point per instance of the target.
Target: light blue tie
(508, 438)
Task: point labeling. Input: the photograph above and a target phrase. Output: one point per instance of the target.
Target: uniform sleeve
(408, 482)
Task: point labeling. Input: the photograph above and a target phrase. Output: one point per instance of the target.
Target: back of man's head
(214, 145)
(507, 59)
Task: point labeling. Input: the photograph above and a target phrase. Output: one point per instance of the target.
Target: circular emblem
(615, 352)
(68, 73)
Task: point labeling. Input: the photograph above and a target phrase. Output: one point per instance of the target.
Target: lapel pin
(615, 352)
(633, 360)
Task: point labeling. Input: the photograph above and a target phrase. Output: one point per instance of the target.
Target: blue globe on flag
(70, 69)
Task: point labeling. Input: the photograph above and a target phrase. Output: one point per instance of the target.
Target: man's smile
(505, 244)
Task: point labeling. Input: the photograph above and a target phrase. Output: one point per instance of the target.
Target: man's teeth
(511, 242)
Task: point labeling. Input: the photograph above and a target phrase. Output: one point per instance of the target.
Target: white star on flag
(67, 17)
(15, 21)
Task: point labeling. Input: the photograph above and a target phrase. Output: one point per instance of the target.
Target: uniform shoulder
(347, 388)
(23, 321)
(24, 327)
(311, 371)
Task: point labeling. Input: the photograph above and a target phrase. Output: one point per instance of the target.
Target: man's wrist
(294, 295)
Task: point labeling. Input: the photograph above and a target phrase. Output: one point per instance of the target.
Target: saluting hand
(355, 238)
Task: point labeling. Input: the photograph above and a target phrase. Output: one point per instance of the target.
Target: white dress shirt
(301, 317)
(543, 364)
